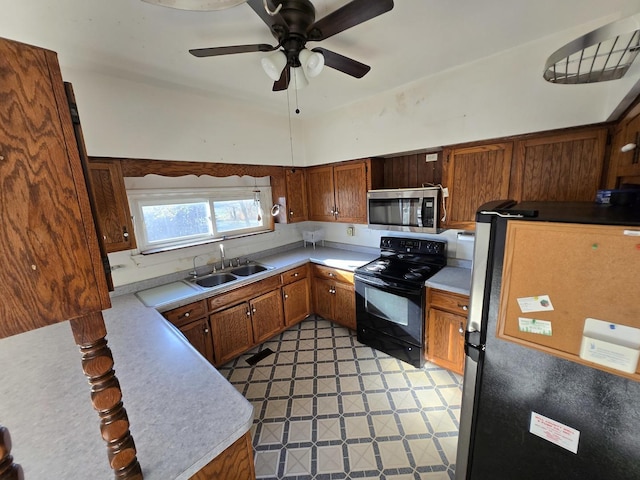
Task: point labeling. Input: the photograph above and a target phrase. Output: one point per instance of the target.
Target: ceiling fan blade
(344, 64)
(276, 23)
(350, 15)
(215, 51)
(283, 82)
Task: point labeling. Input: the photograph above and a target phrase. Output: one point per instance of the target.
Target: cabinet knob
(461, 329)
(463, 307)
(296, 274)
(187, 314)
(125, 234)
(206, 330)
(253, 309)
(291, 213)
(331, 274)
(286, 296)
(248, 313)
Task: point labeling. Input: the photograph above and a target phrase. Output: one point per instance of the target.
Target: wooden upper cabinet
(112, 207)
(296, 186)
(320, 189)
(50, 266)
(338, 193)
(564, 167)
(350, 183)
(624, 167)
(475, 175)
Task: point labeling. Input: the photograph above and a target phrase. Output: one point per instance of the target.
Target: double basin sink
(215, 279)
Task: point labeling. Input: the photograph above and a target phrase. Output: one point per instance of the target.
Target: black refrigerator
(551, 383)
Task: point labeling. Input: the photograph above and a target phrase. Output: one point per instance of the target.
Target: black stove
(406, 260)
(390, 296)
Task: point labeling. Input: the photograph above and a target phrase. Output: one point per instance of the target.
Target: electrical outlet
(351, 231)
(445, 192)
(431, 157)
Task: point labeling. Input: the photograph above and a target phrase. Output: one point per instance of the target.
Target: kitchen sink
(214, 279)
(247, 270)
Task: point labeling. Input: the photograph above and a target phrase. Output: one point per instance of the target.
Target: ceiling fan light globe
(273, 65)
(312, 62)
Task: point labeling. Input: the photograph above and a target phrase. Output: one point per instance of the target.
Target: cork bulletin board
(557, 276)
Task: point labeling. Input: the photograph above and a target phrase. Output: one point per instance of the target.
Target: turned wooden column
(89, 333)
(8, 469)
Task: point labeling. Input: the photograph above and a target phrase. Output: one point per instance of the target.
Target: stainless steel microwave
(404, 209)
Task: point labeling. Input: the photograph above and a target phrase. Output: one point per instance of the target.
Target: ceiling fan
(293, 24)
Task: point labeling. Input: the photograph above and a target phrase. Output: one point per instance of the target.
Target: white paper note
(554, 432)
(540, 303)
(531, 325)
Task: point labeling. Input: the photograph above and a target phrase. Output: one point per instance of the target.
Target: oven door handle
(378, 282)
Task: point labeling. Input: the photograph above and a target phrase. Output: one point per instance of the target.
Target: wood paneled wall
(411, 171)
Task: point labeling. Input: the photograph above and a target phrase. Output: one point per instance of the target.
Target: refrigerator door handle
(472, 346)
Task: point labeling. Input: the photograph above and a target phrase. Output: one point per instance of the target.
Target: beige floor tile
(361, 456)
(304, 370)
(393, 454)
(429, 398)
(373, 382)
(378, 402)
(352, 403)
(325, 343)
(413, 423)
(303, 387)
(347, 368)
(300, 431)
(302, 407)
(266, 464)
(403, 400)
(385, 425)
(326, 385)
(327, 405)
(283, 371)
(276, 409)
(449, 447)
(425, 452)
(368, 366)
(280, 388)
(395, 380)
(305, 356)
(328, 429)
(271, 433)
(325, 369)
(350, 384)
(357, 427)
(298, 461)
(330, 459)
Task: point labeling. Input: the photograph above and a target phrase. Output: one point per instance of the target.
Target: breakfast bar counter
(183, 412)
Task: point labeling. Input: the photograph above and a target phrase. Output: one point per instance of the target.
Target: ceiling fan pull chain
(266, 8)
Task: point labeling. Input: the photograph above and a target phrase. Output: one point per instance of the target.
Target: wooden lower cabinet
(266, 316)
(235, 463)
(198, 334)
(334, 295)
(297, 302)
(446, 323)
(231, 332)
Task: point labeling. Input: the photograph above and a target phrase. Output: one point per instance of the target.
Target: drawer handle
(187, 314)
(463, 307)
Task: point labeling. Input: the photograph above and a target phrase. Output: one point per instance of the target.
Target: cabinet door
(474, 176)
(296, 195)
(112, 207)
(445, 342)
(199, 336)
(266, 316)
(567, 167)
(297, 301)
(323, 298)
(50, 266)
(231, 332)
(344, 307)
(624, 165)
(321, 194)
(350, 184)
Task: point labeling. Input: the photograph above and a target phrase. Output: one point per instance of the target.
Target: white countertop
(183, 413)
(452, 279)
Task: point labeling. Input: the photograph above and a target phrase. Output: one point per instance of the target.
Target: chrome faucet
(194, 272)
(221, 256)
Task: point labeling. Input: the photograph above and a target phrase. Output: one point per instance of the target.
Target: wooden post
(8, 469)
(89, 333)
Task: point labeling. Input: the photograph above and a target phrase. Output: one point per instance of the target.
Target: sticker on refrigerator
(531, 325)
(554, 432)
(610, 344)
(540, 303)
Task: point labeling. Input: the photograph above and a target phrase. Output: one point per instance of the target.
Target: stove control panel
(413, 245)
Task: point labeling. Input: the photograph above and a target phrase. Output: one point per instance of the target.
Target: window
(166, 220)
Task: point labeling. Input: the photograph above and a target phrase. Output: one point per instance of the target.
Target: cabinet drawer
(243, 293)
(329, 273)
(450, 302)
(295, 274)
(187, 313)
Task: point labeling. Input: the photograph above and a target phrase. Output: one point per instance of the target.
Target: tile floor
(328, 407)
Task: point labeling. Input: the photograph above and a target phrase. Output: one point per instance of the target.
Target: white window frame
(140, 198)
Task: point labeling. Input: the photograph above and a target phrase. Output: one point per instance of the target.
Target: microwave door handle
(421, 214)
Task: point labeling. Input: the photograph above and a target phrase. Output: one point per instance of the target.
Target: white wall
(477, 101)
(124, 118)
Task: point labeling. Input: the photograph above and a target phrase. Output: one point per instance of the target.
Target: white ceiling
(418, 38)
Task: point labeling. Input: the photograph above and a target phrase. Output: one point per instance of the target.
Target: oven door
(392, 310)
